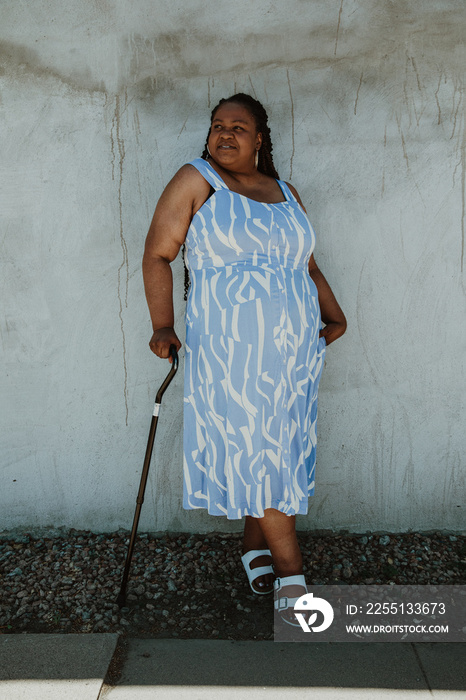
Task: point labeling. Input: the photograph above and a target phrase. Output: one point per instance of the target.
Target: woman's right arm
(172, 217)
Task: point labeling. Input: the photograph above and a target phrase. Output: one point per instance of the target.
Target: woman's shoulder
(188, 177)
(294, 192)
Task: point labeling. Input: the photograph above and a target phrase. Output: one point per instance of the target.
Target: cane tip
(121, 600)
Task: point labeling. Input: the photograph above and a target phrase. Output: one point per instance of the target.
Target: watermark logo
(379, 613)
(307, 604)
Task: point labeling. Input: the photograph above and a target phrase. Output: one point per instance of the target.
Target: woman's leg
(254, 539)
(279, 531)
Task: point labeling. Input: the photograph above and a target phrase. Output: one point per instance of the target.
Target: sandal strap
(253, 554)
(288, 603)
(297, 580)
(253, 574)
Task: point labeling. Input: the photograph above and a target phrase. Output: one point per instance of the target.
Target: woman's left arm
(330, 311)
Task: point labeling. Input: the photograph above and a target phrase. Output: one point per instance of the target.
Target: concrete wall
(100, 104)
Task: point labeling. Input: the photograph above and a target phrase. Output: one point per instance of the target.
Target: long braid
(265, 164)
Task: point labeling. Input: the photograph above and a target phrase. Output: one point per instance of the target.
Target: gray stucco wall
(101, 103)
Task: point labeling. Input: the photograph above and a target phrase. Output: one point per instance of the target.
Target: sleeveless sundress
(253, 356)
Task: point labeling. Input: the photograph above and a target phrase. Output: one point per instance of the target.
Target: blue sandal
(283, 603)
(253, 574)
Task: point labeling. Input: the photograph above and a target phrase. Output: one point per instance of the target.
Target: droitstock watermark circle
(375, 613)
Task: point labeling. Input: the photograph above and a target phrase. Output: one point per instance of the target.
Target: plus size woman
(255, 339)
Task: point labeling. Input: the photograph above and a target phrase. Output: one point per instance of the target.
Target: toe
(263, 583)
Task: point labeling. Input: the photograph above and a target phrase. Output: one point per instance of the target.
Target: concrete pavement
(54, 666)
(48, 667)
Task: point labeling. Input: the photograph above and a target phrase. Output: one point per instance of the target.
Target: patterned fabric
(253, 355)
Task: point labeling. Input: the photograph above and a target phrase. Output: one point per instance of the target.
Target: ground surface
(193, 586)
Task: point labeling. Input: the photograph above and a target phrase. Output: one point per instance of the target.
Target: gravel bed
(193, 586)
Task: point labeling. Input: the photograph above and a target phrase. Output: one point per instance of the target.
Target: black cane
(145, 471)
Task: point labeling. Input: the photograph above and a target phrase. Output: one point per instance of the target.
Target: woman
(254, 340)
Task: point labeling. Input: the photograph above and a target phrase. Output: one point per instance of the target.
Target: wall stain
(457, 91)
(361, 298)
(383, 168)
(292, 123)
(137, 126)
(118, 151)
(20, 61)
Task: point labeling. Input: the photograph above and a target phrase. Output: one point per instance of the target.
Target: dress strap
(209, 174)
(286, 191)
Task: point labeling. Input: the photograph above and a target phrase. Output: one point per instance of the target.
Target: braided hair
(265, 164)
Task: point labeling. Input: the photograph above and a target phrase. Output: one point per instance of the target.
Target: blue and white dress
(253, 355)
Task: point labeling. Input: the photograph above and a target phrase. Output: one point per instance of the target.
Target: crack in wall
(117, 140)
(403, 143)
(461, 145)
(338, 27)
(437, 100)
(252, 86)
(357, 93)
(292, 123)
(463, 192)
(413, 62)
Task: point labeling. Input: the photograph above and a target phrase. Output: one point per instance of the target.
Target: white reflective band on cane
(156, 409)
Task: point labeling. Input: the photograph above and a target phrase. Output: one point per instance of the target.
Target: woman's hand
(161, 340)
(332, 331)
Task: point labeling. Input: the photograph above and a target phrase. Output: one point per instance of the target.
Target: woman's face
(233, 139)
